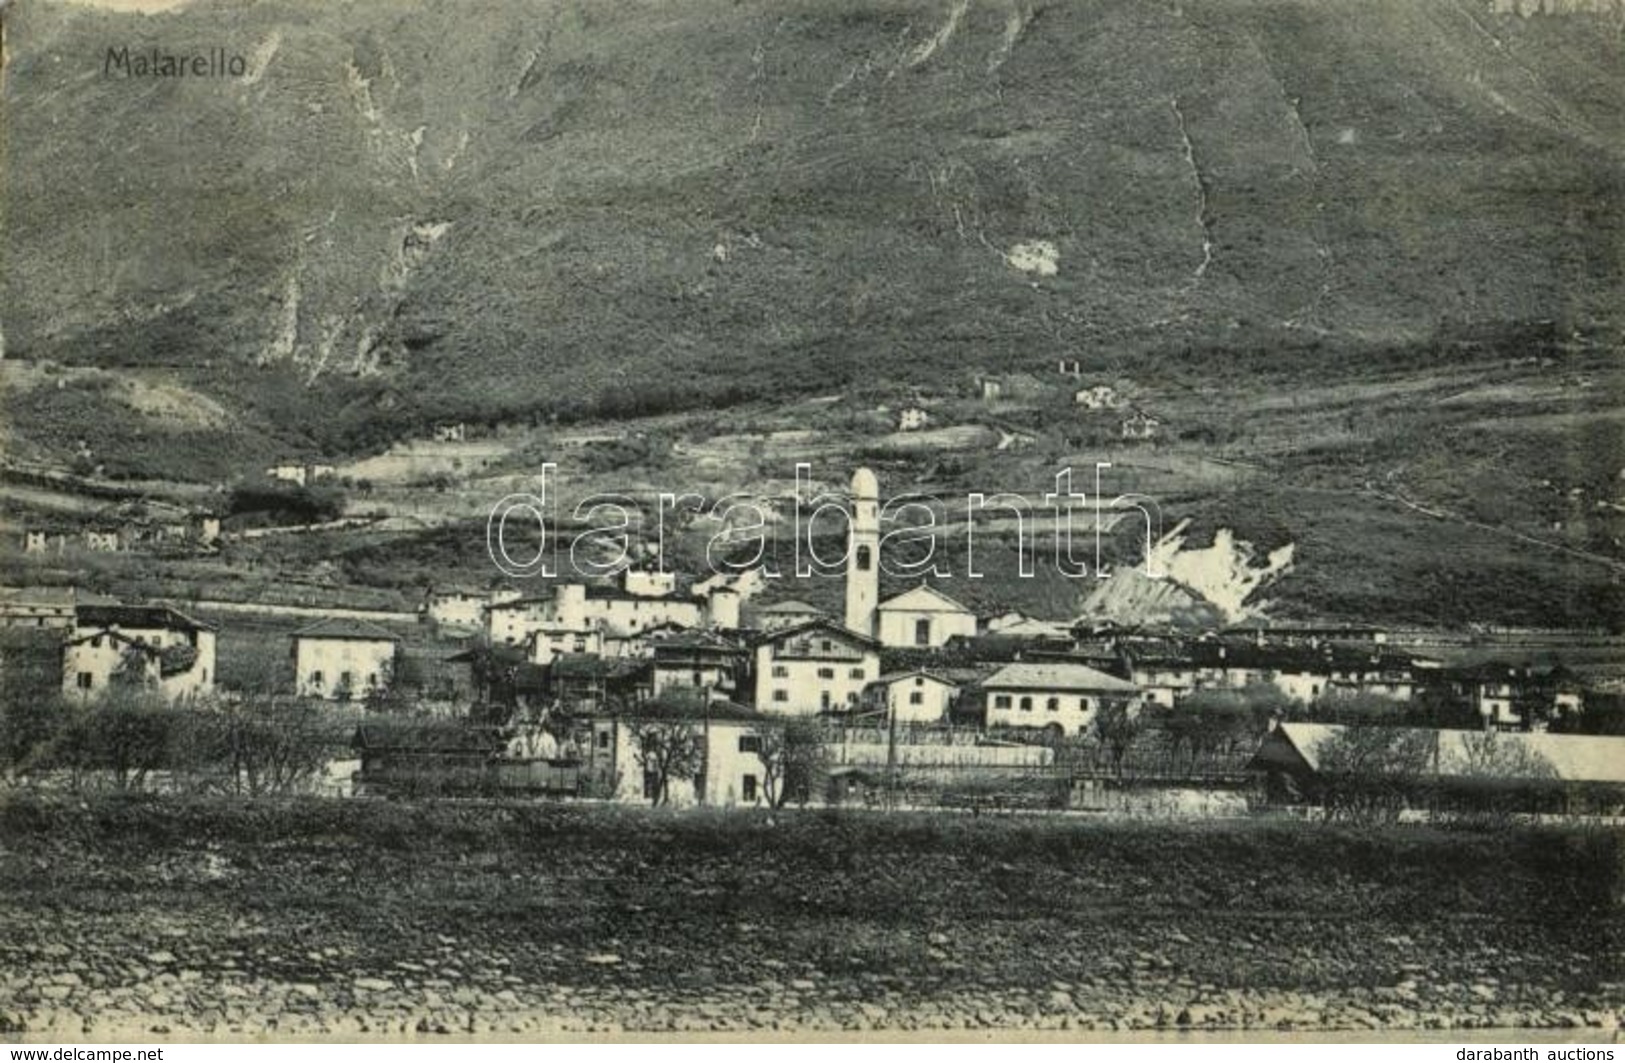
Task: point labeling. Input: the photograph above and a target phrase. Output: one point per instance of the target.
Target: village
(655, 687)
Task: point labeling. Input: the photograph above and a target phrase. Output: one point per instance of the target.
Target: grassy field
(446, 919)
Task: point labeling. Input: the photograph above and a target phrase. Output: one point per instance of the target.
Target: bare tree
(1369, 775)
(793, 757)
(666, 750)
(125, 733)
(278, 745)
(1497, 776)
(1117, 725)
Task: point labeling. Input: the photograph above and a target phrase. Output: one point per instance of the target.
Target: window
(1026, 704)
(1001, 701)
(1052, 705)
(96, 642)
(916, 697)
(781, 695)
(824, 645)
(826, 673)
(780, 671)
(823, 700)
(856, 673)
(865, 559)
(316, 679)
(747, 788)
(1083, 704)
(603, 739)
(922, 632)
(750, 744)
(86, 680)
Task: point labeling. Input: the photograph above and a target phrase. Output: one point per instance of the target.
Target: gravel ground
(327, 934)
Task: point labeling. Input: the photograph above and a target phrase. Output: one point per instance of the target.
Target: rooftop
(820, 624)
(924, 598)
(1024, 675)
(136, 616)
(343, 628)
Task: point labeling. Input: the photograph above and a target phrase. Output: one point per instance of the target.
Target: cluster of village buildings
(646, 642)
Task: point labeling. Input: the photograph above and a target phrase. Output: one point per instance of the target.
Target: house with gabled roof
(923, 616)
(93, 663)
(696, 661)
(1557, 772)
(914, 696)
(728, 742)
(816, 667)
(1052, 694)
(38, 607)
(340, 659)
(181, 648)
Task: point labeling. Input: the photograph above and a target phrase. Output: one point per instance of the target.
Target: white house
(815, 667)
(918, 696)
(550, 641)
(94, 662)
(1097, 397)
(648, 582)
(922, 617)
(510, 622)
(912, 418)
(729, 736)
(343, 659)
(290, 473)
(49, 607)
(304, 475)
(577, 606)
(695, 661)
(179, 651)
(455, 609)
(1052, 694)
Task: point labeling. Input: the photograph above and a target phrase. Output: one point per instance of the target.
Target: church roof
(924, 599)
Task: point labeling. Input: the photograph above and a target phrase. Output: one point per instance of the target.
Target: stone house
(1052, 695)
(819, 666)
(175, 652)
(916, 696)
(912, 418)
(341, 660)
(729, 765)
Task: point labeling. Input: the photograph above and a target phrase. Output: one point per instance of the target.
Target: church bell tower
(863, 556)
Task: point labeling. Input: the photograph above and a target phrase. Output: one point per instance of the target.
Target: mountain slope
(507, 209)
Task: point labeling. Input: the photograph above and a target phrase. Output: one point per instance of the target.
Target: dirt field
(199, 918)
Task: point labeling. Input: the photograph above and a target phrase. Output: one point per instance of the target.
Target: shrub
(1368, 775)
